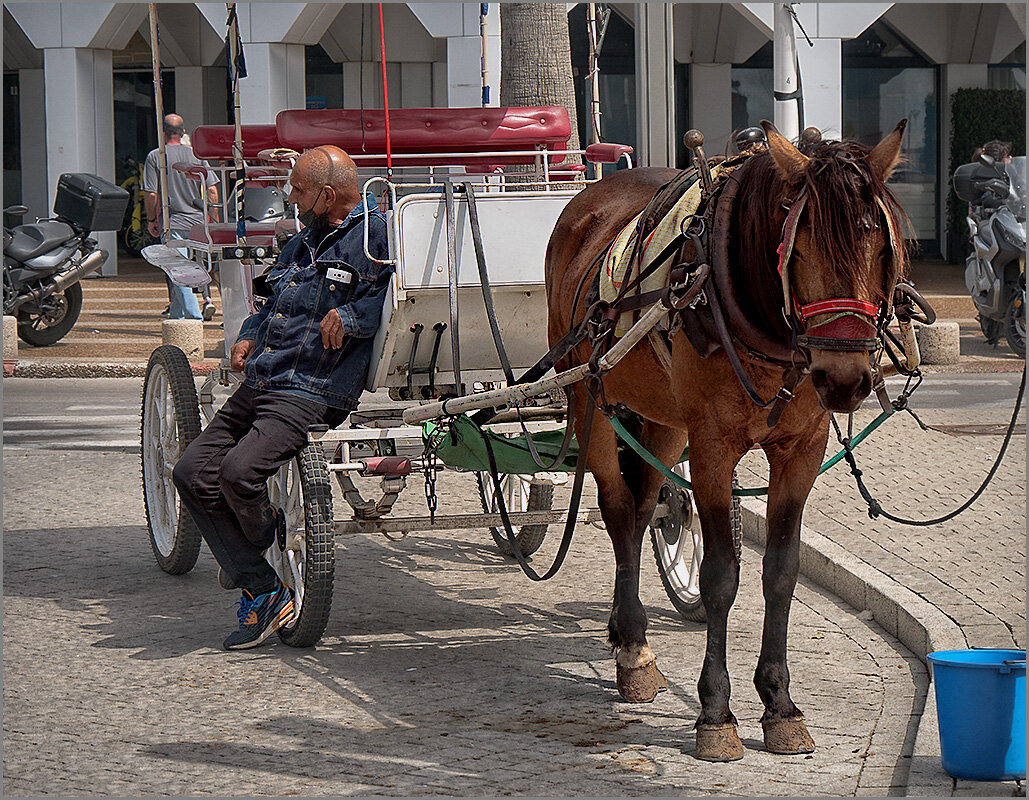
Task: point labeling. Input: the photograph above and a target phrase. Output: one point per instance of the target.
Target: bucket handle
(1014, 662)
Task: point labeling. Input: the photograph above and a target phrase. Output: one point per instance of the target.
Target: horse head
(840, 256)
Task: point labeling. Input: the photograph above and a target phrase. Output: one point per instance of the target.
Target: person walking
(305, 357)
(182, 303)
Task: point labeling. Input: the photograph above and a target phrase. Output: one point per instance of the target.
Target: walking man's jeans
(182, 303)
(222, 476)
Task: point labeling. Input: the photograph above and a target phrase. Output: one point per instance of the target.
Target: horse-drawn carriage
(784, 279)
(513, 176)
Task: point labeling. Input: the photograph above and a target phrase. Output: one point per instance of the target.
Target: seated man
(305, 355)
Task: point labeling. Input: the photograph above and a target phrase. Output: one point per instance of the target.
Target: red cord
(385, 94)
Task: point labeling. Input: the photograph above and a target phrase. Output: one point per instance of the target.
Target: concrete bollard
(939, 343)
(186, 334)
(10, 338)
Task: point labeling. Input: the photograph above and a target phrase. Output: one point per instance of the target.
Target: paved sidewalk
(443, 671)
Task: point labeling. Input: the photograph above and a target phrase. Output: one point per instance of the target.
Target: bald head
(330, 171)
(173, 126)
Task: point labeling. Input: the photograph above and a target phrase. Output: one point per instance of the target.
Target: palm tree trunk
(536, 59)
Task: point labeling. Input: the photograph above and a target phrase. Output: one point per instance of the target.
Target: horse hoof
(718, 743)
(637, 676)
(788, 737)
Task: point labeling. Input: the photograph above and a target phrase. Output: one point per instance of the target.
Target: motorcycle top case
(89, 202)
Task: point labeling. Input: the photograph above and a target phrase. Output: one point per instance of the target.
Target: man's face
(304, 193)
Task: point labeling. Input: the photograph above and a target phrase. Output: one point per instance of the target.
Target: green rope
(680, 481)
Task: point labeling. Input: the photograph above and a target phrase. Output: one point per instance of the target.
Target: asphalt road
(103, 413)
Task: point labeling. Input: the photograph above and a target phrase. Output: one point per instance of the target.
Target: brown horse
(844, 251)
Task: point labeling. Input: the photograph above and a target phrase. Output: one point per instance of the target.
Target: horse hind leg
(638, 677)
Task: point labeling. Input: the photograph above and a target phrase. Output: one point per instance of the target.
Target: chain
(430, 464)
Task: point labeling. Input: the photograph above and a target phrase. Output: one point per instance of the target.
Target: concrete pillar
(655, 85)
(189, 96)
(187, 335)
(34, 192)
(10, 338)
(79, 98)
(711, 104)
(820, 69)
(939, 343)
(275, 81)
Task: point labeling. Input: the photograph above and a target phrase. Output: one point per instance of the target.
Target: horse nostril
(819, 377)
(865, 388)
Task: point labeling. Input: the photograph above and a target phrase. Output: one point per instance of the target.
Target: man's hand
(332, 331)
(154, 228)
(239, 353)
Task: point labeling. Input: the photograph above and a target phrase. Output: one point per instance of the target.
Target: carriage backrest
(447, 136)
(214, 142)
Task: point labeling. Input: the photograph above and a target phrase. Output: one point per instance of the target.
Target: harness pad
(616, 263)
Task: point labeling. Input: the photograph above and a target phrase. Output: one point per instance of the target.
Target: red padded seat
(214, 142)
(606, 152)
(429, 131)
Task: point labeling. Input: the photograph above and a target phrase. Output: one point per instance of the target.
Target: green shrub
(978, 115)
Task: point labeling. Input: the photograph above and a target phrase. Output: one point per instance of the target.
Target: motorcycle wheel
(135, 239)
(991, 329)
(47, 321)
(1014, 324)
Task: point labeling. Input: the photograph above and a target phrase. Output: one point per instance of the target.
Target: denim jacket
(288, 355)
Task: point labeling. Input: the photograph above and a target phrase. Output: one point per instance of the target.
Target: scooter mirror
(16, 211)
(986, 160)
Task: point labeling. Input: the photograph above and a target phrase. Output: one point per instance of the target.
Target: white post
(655, 85)
(784, 78)
(79, 98)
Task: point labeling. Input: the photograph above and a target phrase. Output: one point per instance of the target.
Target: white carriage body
(515, 229)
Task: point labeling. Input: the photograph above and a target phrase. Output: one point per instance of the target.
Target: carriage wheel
(169, 421)
(306, 560)
(520, 494)
(679, 549)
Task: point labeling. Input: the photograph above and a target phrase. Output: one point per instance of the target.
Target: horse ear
(886, 154)
(790, 161)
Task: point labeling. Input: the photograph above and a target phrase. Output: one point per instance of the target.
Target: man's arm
(152, 206)
(360, 318)
(214, 210)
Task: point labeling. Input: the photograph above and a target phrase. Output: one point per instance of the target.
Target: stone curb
(65, 369)
(918, 624)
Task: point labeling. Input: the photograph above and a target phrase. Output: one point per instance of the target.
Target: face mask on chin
(311, 219)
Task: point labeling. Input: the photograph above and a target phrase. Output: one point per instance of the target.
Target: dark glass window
(324, 79)
(752, 89)
(884, 81)
(12, 146)
(135, 117)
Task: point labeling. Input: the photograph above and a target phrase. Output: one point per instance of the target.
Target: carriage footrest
(386, 465)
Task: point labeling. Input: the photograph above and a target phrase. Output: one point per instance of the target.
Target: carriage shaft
(515, 394)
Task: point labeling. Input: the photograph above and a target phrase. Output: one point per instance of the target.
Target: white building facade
(78, 80)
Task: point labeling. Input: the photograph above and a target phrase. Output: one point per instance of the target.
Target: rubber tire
(51, 335)
(185, 549)
(692, 609)
(319, 566)
(1016, 340)
(529, 537)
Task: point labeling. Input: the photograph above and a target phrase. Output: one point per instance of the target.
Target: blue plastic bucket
(980, 703)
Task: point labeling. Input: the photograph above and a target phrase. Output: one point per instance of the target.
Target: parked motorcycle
(44, 261)
(995, 269)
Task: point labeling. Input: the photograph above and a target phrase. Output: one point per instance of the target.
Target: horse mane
(842, 192)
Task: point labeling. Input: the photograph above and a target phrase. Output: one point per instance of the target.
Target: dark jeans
(222, 476)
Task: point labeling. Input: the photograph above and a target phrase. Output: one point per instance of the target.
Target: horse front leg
(792, 473)
(711, 468)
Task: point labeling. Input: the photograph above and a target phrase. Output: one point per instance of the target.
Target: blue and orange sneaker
(260, 617)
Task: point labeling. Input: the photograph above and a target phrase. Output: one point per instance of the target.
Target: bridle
(854, 325)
